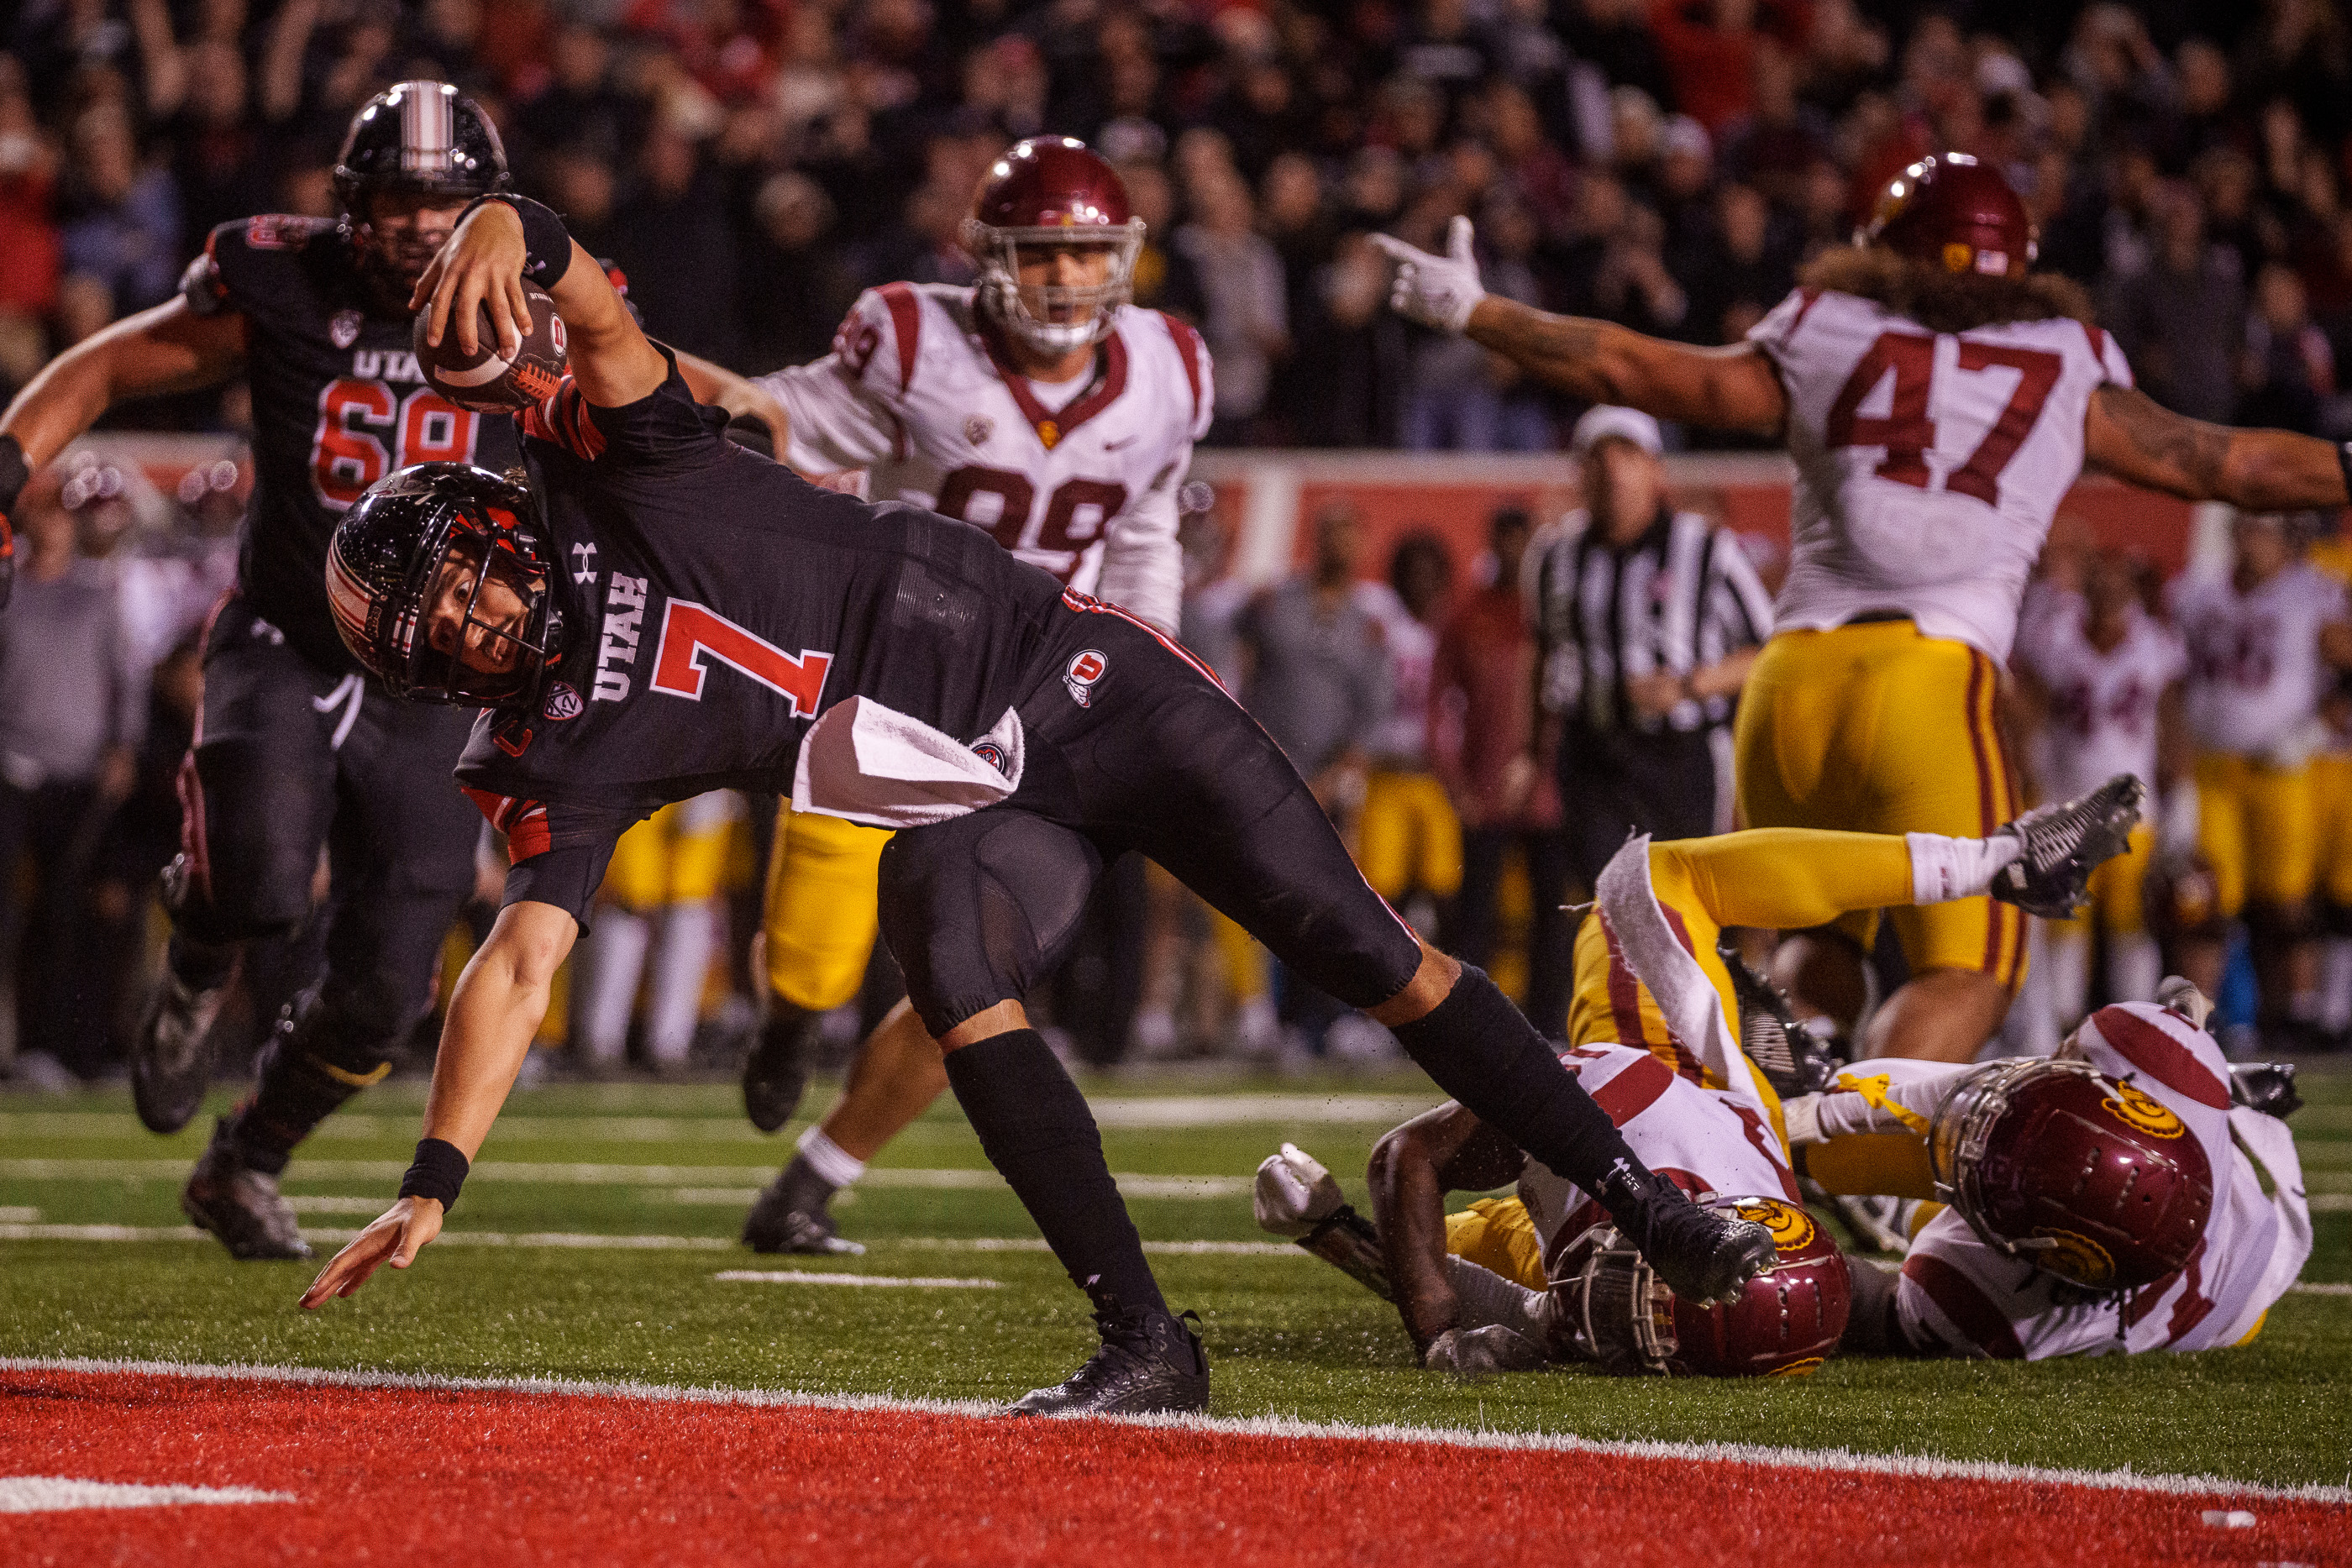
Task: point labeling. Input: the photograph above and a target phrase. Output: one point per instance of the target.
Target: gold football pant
(822, 912)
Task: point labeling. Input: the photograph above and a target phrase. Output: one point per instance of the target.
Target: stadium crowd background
(751, 165)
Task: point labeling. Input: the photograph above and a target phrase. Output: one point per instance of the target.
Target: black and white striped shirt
(1678, 598)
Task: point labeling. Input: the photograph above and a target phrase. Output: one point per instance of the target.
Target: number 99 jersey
(1929, 465)
(338, 403)
(917, 393)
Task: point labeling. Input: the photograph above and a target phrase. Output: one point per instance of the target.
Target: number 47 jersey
(1080, 480)
(1929, 465)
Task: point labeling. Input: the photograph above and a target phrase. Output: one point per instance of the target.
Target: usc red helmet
(1950, 211)
(1612, 1308)
(2092, 1180)
(1052, 191)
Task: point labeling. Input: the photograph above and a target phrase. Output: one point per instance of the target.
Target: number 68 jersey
(1080, 480)
(1929, 465)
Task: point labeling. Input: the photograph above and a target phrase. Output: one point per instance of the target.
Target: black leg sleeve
(1485, 1054)
(1035, 1128)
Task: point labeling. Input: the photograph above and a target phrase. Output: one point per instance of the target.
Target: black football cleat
(1151, 1363)
(2065, 844)
(786, 1219)
(172, 1058)
(776, 1074)
(1701, 1255)
(241, 1206)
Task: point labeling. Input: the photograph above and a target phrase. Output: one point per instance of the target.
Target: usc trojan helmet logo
(2137, 1108)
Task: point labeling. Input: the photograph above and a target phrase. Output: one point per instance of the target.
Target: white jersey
(1929, 465)
(1674, 1126)
(2255, 674)
(2103, 707)
(1960, 1293)
(1080, 479)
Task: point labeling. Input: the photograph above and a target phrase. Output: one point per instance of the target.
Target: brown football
(487, 380)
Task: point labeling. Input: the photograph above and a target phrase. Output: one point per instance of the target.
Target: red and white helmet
(1051, 191)
(1609, 1306)
(2092, 1180)
(1952, 212)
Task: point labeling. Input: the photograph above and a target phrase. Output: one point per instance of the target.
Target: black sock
(809, 1190)
(1035, 1128)
(200, 966)
(296, 1088)
(1483, 1052)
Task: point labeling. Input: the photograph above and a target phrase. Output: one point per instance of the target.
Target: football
(487, 380)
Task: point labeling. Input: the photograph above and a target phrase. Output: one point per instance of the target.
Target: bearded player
(296, 748)
(881, 660)
(1045, 409)
(1939, 399)
(1662, 1036)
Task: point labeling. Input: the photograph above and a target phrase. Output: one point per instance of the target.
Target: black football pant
(1614, 783)
(290, 759)
(1150, 755)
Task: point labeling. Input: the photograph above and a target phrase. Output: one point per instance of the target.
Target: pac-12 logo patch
(345, 328)
(563, 702)
(1083, 672)
(988, 751)
(978, 428)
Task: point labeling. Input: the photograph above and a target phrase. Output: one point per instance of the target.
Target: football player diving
(1689, 1058)
(297, 749)
(740, 628)
(1939, 399)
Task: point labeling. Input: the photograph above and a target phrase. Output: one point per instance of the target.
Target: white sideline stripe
(1908, 1466)
(556, 1173)
(2329, 1202)
(51, 1494)
(2320, 1290)
(599, 1241)
(18, 1216)
(805, 1277)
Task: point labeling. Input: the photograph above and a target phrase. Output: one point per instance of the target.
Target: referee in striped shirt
(1648, 622)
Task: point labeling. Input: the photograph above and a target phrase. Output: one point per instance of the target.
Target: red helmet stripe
(2151, 1048)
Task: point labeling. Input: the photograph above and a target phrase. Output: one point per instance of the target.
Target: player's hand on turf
(1436, 290)
(1295, 1193)
(394, 1237)
(1474, 1354)
(480, 264)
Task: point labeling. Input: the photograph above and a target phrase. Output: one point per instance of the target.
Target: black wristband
(2344, 463)
(546, 242)
(13, 472)
(438, 1173)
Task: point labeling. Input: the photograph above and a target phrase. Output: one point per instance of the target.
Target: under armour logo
(586, 570)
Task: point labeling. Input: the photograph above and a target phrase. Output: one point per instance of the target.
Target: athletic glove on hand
(1473, 1353)
(1436, 290)
(1295, 1194)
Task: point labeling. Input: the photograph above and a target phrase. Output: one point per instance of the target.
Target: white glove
(1803, 1117)
(1473, 1353)
(1436, 290)
(1294, 1193)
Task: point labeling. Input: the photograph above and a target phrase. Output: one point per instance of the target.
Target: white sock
(1943, 869)
(673, 1002)
(2136, 967)
(2066, 954)
(829, 1159)
(614, 958)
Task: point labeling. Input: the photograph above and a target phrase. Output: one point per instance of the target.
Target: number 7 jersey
(1929, 465)
(915, 393)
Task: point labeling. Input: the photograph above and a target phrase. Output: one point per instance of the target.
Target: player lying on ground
(1045, 410)
(660, 612)
(1938, 401)
(298, 752)
(1654, 1030)
(2108, 1200)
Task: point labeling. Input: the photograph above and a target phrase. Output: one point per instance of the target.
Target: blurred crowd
(751, 164)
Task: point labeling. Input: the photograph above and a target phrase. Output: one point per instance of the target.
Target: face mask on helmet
(2092, 1180)
(1616, 1312)
(1052, 292)
(442, 586)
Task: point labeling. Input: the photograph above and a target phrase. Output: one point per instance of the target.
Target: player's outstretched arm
(2128, 434)
(499, 1005)
(740, 396)
(482, 264)
(1444, 1150)
(1733, 388)
(167, 349)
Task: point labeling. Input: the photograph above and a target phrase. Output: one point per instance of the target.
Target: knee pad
(977, 910)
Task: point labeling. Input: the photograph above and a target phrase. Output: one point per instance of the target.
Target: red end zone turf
(473, 1477)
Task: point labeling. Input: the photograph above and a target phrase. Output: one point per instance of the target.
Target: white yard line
(52, 1494)
(598, 1241)
(805, 1276)
(707, 1179)
(1839, 1461)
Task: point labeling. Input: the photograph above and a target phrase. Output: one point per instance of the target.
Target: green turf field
(1287, 1334)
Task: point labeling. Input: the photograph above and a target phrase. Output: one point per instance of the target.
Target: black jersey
(717, 605)
(338, 403)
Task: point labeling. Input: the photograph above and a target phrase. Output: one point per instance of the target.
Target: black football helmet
(406, 575)
(419, 136)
